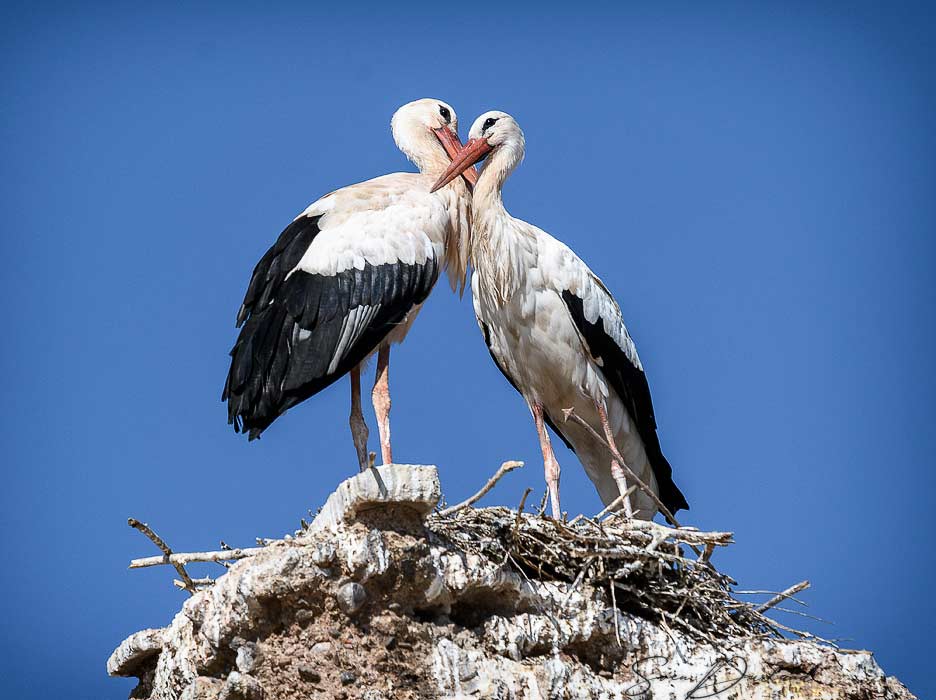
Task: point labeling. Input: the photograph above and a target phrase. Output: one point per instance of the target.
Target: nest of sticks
(659, 573)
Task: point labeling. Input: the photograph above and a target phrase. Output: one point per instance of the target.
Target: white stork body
(346, 279)
(558, 335)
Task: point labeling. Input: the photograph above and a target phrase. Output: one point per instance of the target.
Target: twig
(189, 557)
(802, 614)
(780, 597)
(504, 469)
(578, 580)
(613, 504)
(164, 548)
(765, 592)
(520, 512)
(199, 582)
(542, 505)
(570, 413)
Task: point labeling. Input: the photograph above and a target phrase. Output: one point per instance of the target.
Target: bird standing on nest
(347, 278)
(558, 336)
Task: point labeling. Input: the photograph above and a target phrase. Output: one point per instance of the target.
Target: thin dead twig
(615, 503)
(505, 468)
(780, 597)
(199, 582)
(617, 629)
(167, 552)
(182, 558)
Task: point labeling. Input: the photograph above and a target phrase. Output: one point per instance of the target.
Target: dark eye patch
(488, 123)
(446, 115)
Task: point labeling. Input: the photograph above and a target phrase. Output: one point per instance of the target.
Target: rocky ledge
(370, 602)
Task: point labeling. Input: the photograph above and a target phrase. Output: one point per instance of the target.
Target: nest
(658, 573)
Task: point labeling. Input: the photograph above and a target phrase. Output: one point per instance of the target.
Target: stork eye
(446, 115)
(488, 123)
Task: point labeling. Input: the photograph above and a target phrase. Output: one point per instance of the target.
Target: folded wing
(599, 321)
(304, 324)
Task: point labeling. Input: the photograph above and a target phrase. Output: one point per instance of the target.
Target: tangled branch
(640, 562)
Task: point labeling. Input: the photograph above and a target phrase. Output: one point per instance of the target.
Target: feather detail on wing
(598, 319)
(303, 329)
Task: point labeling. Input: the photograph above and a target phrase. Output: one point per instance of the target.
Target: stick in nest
(504, 469)
(780, 597)
(181, 558)
(570, 413)
(167, 552)
(661, 586)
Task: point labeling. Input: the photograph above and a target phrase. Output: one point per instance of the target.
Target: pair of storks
(348, 276)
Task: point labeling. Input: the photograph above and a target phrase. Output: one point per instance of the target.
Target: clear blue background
(756, 185)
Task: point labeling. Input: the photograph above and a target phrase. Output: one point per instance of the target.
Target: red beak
(452, 145)
(473, 151)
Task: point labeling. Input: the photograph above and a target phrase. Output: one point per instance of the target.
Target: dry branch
(780, 597)
(505, 468)
(167, 552)
(199, 583)
(190, 557)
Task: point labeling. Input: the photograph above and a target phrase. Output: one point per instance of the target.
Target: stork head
(494, 135)
(426, 131)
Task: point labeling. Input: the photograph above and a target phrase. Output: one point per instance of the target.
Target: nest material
(659, 573)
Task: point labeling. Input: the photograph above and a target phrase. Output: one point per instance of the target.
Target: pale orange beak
(452, 145)
(473, 151)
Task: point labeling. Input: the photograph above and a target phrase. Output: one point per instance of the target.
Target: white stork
(346, 278)
(557, 334)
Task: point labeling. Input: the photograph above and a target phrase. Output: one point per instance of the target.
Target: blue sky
(755, 185)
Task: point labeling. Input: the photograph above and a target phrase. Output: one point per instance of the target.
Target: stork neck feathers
(487, 200)
(494, 253)
(419, 145)
(497, 168)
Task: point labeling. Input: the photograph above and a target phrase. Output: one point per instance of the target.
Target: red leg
(359, 430)
(381, 399)
(550, 464)
(617, 473)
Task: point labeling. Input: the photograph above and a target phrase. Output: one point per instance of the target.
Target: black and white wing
(321, 300)
(599, 321)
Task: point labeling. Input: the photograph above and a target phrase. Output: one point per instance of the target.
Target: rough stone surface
(351, 596)
(240, 686)
(246, 657)
(414, 486)
(135, 651)
(439, 623)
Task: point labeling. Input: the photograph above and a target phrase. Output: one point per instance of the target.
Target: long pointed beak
(452, 145)
(473, 151)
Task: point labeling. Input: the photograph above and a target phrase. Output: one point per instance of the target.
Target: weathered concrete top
(355, 610)
(410, 485)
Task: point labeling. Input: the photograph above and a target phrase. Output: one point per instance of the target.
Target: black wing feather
(291, 327)
(276, 263)
(630, 383)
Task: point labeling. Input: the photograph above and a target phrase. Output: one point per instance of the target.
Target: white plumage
(557, 333)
